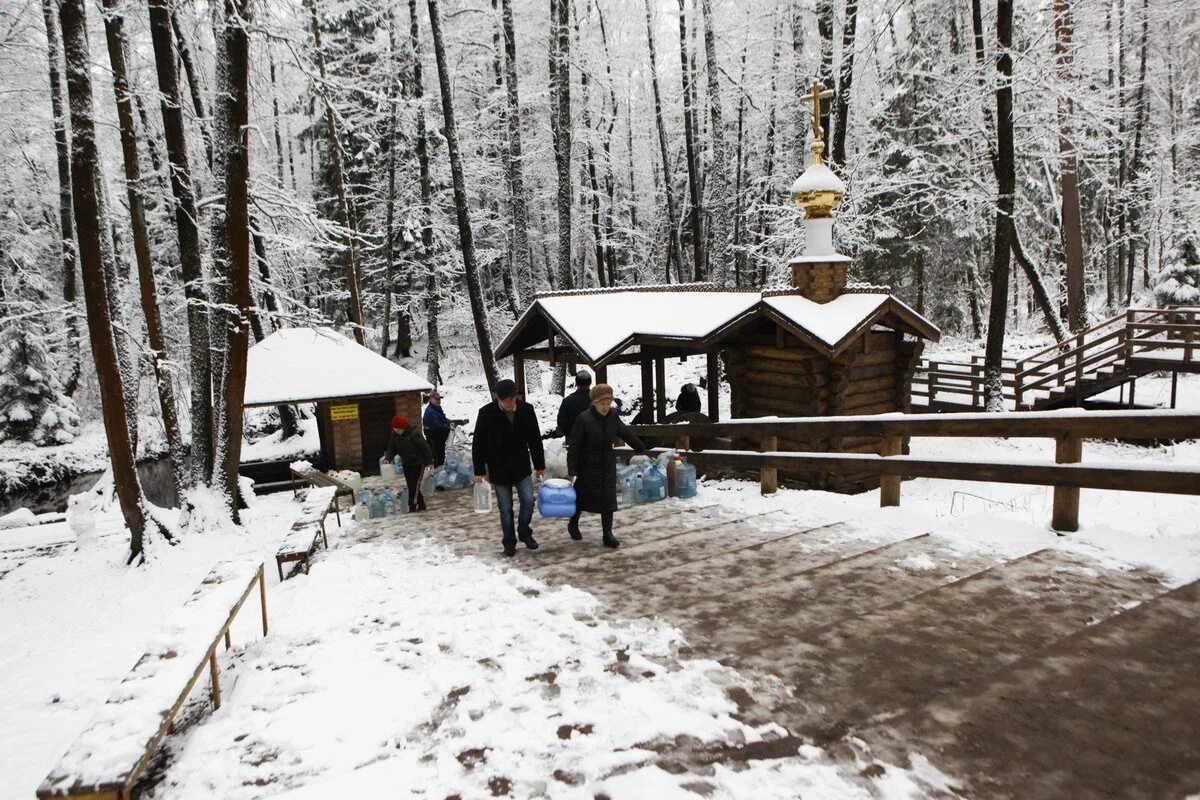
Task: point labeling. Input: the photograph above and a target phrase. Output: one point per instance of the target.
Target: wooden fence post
(262, 597)
(889, 485)
(1067, 450)
(769, 476)
(216, 685)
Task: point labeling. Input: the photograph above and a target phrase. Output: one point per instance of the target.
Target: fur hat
(601, 391)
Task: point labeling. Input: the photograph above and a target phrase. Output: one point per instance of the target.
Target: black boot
(610, 540)
(530, 542)
(573, 529)
(510, 550)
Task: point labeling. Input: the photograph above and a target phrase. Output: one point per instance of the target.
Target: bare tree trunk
(92, 225)
(516, 161)
(62, 149)
(1141, 110)
(1037, 286)
(231, 118)
(188, 234)
(845, 82)
(739, 255)
(561, 78)
(432, 337)
(593, 183)
(389, 274)
(693, 157)
(462, 210)
(114, 26)
(719, 184)
(825, 68)
(279, 150)
(674, 246)
(193, 80)
(1005, 169)
(333, 131)
(764, 223)
(1071, 222)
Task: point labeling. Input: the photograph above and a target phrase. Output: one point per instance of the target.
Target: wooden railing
(1068, 431)
(1140, 338)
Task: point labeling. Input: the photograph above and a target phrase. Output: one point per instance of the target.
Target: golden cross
(819, 93)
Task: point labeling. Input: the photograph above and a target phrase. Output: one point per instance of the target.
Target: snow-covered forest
(180, 179)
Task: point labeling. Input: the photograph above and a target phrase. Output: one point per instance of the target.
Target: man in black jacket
(575, 403)
(506, 439)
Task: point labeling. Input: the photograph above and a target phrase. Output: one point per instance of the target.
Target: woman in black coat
(590, 461)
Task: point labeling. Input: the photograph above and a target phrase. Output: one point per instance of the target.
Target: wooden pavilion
(356, 391)
(820, 347)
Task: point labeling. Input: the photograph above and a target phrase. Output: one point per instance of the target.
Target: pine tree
(33, 407)
(1178, 283)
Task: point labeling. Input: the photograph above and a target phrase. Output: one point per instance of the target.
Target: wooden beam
(519, 373)
(602, 374)
(1028, 425)
(660, 388)
(769, 476)
(1067, 450)
(889, 485)
(714, 394)
(647, 388)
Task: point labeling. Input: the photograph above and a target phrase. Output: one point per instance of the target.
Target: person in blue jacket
(437, 427)
(574, 404)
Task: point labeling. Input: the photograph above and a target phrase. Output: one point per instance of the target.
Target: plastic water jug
(397, 465)
(452, 460)
(389, 502)
(363, 496)
(429, 484)
(640, 461)
(654, 484)
(385, 466)
(628, 491)
(378, 508)
(685, 480)
(483, 497)
(362, 511)
(400, 502)
(556, 498)
(639, 489)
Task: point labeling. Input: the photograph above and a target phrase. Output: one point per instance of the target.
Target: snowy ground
(375, 646)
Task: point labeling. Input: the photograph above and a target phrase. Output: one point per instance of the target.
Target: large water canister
(654, 484)
(483, 497)
(685, 480)
(556, 498)
(429, 484)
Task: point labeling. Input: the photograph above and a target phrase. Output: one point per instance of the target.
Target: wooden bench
(301, 541)
(314, 477)
(109, 757)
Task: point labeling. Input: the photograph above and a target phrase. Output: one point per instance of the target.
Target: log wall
(874, 376)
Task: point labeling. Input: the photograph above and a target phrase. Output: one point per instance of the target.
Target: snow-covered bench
(301, 541)
(314, 477)
(111, 754)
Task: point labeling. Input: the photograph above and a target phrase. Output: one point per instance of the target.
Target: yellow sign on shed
(344, 413)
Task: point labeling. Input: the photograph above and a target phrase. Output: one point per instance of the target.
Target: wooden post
(1067, 450)
(216, 684)
(519, 373)
(262, 597)
(1174, 387)
(683, 443)
(660, 388)
(550, 346)
(227, 642)
(769, 476)
(714, 410)
(647, 390)
(602, 374)
(889, 485)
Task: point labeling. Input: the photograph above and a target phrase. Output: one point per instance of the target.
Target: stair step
(898, 657)
(1054, 724)
(758, 626)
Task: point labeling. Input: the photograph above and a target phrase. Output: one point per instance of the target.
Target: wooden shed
(356, 391)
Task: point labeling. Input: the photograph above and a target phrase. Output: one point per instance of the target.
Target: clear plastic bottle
(389, 502)
(483, 497)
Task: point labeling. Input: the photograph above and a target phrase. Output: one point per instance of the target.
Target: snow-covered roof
(601, 323)
(296, 365)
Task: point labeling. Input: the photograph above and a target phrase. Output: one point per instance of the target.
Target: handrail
(1067, 429)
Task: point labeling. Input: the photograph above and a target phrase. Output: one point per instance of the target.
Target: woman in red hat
(408, 443)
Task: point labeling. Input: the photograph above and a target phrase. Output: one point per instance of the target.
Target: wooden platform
(1036, 673)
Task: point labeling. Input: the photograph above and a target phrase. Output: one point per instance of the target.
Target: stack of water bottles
(457, 473)
(378, 503)
(646, 481)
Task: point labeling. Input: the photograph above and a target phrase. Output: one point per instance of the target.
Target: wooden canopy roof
(601, 324)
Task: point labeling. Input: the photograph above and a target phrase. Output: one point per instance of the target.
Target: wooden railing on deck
(1067, 430)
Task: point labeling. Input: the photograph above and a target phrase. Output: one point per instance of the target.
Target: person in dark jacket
(574, 404)
(408, 443)
(689, 398)
(590, 461)
(506, 439)
(437, 427)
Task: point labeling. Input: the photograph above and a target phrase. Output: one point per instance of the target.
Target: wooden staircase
(1111, 354)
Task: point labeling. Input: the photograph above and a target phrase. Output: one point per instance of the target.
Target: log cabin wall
(790, 379)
